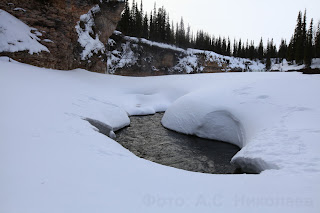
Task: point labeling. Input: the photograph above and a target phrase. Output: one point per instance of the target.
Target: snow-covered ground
(52, 160)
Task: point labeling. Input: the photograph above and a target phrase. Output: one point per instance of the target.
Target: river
(148, 139)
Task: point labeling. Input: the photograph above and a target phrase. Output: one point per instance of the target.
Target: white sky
(245, 19)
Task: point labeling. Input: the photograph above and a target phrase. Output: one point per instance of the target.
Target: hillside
(140, 57)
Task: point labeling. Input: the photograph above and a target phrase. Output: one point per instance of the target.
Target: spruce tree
(240, 49)
(308, 51)
(138, 22)
(291, 50)
(268, 63)
(260, 50)
(173, 37)
(168, 37)
(151, 27)
(145, 31)
(188, 36)
(224, 46)
(228, 48)
(299, 39)
(317, 42)
(273, 49)
(251, 51)
(182, 33)
(268, 56)
(124, 23)
(235, 48)
(219, 45)
(283, 49)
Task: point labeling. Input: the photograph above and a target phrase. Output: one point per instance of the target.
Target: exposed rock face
(129, 58)
(57, 21)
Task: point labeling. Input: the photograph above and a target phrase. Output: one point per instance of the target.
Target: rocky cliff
(70, 29)
(131, 56)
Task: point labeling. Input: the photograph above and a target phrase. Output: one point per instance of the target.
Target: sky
(245, 19)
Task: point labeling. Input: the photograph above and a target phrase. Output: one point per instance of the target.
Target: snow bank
(52, 160)
(315, 63)
(17, 36)
(275, 125)
(287, 66)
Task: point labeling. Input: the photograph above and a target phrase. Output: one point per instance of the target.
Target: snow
(315, 63)
(91, 45)
(53, 160)
(119, 59)
(19, 9)
(17, 36)
(48, 40)
(275, 125)
(285, 66)
(189, 64)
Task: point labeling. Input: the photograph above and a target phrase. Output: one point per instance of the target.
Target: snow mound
(17, 36)
(221, 125)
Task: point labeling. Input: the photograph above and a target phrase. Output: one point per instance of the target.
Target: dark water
(148, 139)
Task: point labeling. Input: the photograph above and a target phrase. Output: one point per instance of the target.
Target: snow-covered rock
(90, 45)
(17, 36)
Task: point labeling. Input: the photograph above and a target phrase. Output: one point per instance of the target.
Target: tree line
(156, 26)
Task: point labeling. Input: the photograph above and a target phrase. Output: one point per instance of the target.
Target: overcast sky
(245, 19)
